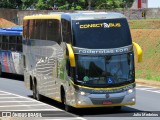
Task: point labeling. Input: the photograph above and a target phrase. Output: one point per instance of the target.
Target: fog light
(133, 99)
(82, 93)
(130, 90)
(79, 102)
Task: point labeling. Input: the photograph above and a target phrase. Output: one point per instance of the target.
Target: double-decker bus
(11, 50)
(80, 59)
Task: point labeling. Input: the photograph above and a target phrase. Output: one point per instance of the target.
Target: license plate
(107, 102)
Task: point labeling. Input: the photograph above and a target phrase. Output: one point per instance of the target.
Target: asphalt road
(14, 97)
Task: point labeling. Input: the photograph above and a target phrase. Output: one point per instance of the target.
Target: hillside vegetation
(147, 34)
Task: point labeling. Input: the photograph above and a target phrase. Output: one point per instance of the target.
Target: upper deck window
(101, 34)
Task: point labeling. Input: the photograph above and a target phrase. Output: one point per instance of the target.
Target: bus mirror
(139, 51)
(71, 55)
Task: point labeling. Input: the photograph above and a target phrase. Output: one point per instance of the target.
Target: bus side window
(5, 40)
(12, 43)
(43, 29)
(53, 31)
(0, 42)
(0, 38)
(26, 29)
(66, 31)
(31, 28)
(19, 40)
(19, 44)
(37, 28)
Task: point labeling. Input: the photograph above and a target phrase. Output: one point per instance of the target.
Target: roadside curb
(150, 83)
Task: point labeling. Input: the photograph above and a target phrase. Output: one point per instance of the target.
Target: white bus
(80, 59)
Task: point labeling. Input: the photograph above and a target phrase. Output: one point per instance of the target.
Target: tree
(40, 5)
(8, 4)
(26, 4)
(65, 4)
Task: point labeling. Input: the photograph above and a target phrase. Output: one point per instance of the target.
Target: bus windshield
(101, 34)
(99, 71)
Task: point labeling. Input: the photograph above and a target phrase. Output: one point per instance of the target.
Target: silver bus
(83, 59)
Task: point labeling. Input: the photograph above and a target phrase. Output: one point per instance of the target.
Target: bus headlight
(130, 91)
(83, 93)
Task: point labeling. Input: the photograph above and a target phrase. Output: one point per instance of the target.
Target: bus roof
(52, 16)
(16, 30)
(92, 15)
(78, 15)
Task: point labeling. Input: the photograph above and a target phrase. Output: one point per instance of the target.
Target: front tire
(36, 94)
(66, 107)
(34, 91)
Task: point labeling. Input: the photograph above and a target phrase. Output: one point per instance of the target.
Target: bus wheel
(36, 94)
(34, 91)
(66, 107)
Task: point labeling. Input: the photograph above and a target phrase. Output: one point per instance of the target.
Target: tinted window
(37, 28)
(25, 29)
(0, 38)
(101, 34)
(31, 28)
(13, 39)
(43, 29)
(53, 30)
(66, 31)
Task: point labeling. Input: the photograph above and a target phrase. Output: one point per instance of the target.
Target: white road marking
(36, 110)
(14, 101)
(21, 96)
(145, 88)
(155, 91)
(30, 99)
(5, 94)
(68, 118)
(40, 104)
(22, 105)
(9, 97)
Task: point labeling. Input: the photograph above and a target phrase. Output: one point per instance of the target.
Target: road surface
(15, 97)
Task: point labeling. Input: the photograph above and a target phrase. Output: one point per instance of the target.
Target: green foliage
(65, 4)
(26, 4)
(8, 4)
(41, 5)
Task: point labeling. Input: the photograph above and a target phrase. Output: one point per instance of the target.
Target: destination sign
(111, 51)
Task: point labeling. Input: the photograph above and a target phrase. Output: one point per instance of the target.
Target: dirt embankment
(5, 23)
(149, 40)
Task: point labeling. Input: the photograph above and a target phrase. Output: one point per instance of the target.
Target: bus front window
(99, 71)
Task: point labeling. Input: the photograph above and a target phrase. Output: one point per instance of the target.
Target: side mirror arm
(139, 51)
(71, 55)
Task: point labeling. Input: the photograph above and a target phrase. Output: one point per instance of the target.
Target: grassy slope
(147, 35)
